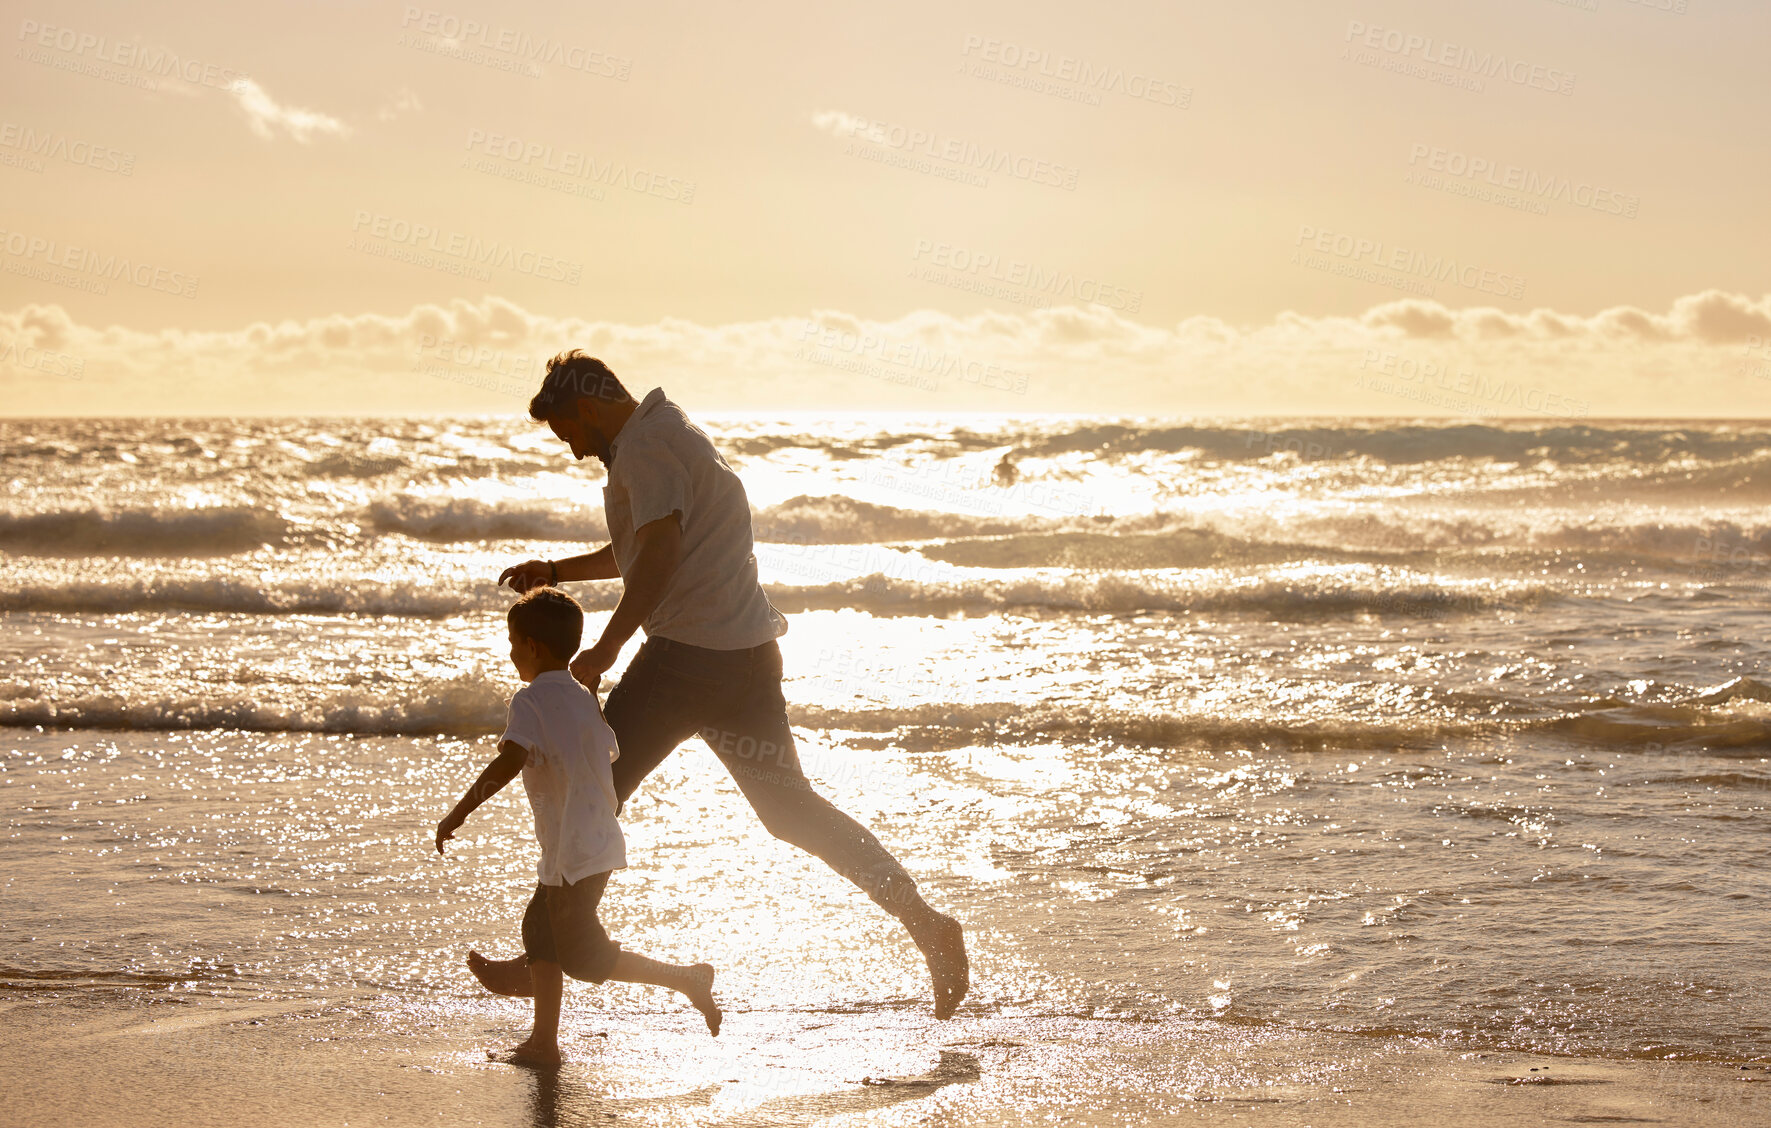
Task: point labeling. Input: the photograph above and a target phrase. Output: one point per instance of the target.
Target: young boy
(557, 738)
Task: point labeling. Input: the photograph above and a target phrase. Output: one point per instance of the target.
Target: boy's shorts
(560, 926)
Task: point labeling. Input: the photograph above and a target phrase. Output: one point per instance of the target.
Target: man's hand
(528, 574)
(446, 829)
(588, 667)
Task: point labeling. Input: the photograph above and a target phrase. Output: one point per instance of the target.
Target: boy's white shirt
(567, 776)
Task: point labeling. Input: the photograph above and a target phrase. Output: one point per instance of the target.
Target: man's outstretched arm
(658, 551)
(598, 565)
(510, 760)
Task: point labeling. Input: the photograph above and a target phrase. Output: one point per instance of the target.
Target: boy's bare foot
(502, 977)
(527, 1052)
(700, 992)
(942, 942)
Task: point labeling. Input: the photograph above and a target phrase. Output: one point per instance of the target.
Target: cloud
(267, 117)
(1414, 318)
(1723, 319)
(404, 101)
(837, 123)
(1707, 355)
(1712, 317)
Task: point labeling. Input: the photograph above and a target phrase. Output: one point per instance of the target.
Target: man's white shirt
(661, 463)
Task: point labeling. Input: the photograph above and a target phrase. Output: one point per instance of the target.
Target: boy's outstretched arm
(510, 760)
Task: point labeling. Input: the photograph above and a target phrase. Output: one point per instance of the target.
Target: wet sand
(144, 1058)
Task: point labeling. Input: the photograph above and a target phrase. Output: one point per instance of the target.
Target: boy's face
(526, 655)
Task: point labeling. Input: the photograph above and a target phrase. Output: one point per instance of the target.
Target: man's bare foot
(502, 977)
(527, 1052)
(942, 942)
(700, 992)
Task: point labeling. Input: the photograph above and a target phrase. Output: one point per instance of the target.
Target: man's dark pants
(732, 699)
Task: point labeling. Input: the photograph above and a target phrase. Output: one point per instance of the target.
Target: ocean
(1447, 734)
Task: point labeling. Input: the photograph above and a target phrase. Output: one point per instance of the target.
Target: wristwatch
(554, 570)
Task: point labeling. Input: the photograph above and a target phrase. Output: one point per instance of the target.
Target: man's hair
(550, 617)
(570, 377)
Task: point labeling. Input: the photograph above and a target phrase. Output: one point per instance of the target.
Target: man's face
(580, 431)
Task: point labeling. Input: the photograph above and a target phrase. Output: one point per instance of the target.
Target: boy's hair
(550, 617)
(570, 377)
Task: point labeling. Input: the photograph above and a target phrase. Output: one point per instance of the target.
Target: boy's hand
(446, 829)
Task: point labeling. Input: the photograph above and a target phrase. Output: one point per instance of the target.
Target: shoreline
(133, 1057)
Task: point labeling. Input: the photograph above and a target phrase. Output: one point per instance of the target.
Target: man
(680, 541)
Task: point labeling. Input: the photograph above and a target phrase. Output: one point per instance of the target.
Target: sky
(1487, 208)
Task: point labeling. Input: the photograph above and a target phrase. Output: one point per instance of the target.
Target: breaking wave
(1386, 441)
(177, 531)
(458, 519)
(1284, 596)
(474, 705)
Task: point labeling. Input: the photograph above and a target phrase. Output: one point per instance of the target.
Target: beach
(1281, 771)
(168, 1061)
